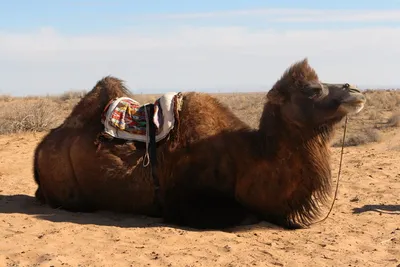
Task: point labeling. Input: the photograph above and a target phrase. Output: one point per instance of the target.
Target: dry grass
(5, 98)
(362, 137)
(383, 99)
(394, 120)
(33, 113)
(24, 116)
(71, 95)
(247, 106)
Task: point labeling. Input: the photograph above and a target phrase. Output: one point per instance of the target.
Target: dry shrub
(361, 137)
(145, 98)
(32, 113)
(5, 98)
(28, 116)
(247, 106)
(373, 115)
(397, 99)
(394, 120)
(72, 95)
(383, 99)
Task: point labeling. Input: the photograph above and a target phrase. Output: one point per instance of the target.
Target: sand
(363, 229)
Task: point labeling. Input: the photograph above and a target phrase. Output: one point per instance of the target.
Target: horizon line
(208, 91)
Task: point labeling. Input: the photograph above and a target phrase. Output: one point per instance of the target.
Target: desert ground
(362, 230)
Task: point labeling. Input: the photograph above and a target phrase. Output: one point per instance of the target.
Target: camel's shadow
(25, 204)
(387, 209)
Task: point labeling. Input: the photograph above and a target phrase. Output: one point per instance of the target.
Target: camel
(213, 170)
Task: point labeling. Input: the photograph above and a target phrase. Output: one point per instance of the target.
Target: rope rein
(339, 172)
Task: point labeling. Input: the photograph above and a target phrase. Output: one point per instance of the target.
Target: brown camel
(216, 169)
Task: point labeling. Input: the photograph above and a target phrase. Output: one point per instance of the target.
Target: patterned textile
(125, 118)
(128, 115)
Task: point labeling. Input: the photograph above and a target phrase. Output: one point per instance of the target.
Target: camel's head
(306, 101)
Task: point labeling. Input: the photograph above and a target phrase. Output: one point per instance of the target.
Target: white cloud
(187, 58)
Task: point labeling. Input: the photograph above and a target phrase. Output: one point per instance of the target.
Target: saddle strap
(153, 153)
(146, 159)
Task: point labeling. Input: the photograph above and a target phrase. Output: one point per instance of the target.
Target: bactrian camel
(213, 170)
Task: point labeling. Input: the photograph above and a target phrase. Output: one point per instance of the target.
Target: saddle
(124, 118)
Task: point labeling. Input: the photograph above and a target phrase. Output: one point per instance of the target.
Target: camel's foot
(39, 195)
(284, 223)
(293, 226)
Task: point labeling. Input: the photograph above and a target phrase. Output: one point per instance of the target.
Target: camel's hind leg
(55, 177)
(38, 194)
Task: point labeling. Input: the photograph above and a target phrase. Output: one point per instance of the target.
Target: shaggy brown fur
(218, 171)
(72, 175)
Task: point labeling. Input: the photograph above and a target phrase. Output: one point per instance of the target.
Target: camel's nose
(352, 89)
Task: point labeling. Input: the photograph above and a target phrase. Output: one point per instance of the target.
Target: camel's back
(203, 115)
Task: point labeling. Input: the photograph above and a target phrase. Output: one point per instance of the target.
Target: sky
(53, 46)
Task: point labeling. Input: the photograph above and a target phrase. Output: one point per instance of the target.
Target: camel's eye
(317, 90)
(313, 91)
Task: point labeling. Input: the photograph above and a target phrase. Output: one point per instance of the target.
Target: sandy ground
(363, 229)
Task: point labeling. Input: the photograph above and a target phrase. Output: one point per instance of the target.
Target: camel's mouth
(354, 103)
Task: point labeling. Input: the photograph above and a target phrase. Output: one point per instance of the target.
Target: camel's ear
(275, 97)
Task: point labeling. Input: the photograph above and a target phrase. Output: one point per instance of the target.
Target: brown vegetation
(394, 120)
(383, 108)
(24, 116)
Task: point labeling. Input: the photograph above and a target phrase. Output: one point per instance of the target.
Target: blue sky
(54, 46)
(77, 17)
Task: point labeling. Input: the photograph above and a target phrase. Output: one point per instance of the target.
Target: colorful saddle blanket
(126, 119)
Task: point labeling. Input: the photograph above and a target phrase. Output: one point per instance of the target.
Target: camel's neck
(295, 163)
(303, 151)
(273, 129)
